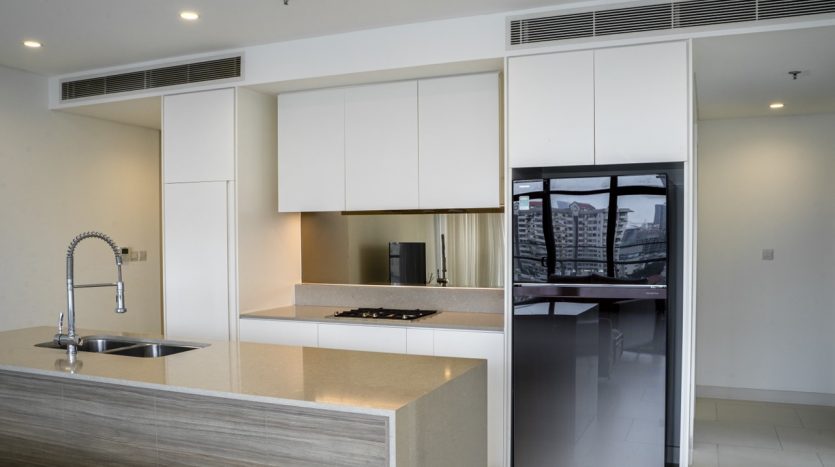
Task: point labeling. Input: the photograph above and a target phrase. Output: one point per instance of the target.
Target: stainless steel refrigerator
(596, 331)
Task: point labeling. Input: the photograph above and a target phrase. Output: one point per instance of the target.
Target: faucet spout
(70, 339)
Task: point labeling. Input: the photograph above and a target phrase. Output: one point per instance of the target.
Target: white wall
(767, 183)
(60, 175)
(269, 243)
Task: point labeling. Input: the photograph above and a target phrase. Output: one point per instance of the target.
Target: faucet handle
(61, 323)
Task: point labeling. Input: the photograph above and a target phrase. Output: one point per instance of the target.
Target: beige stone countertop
(363, 382)
(474, 321)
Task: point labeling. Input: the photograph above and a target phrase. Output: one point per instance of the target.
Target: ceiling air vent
(707, 12)
(636, 19)
(769, 9)
(656, 17)
(552, 28)
(188, 73)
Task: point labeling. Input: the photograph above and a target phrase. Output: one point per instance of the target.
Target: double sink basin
(127, 346)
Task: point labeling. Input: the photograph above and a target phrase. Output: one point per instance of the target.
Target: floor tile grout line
(777, 432)
(802, 423)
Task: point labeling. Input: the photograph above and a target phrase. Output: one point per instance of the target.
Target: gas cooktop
(383, 313)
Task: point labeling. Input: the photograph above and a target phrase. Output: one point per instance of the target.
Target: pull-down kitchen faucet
(70, 339)
(442, 279)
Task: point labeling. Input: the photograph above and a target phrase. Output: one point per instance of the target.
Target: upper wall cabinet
(381, 152)
(551, 109)
(311, 148)
(426, 144)
(199, 139)
(641, 104)
(459, 142)
(607, 106)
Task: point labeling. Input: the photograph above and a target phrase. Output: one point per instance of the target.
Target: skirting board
(766, 395)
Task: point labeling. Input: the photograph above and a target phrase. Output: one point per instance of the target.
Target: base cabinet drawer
(420, 341)
(366, 338)
(274, 331)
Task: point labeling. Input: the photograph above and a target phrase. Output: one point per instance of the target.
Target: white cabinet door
(641, 103)
(550, 104)
(420, 341)
(277, 331)
(381, 155)
(368, 338)
(489, 346)
(198, 136)
(195, 260)
(311, 151)
(459, 142)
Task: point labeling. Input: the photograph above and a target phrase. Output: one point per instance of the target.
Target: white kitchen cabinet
(551, 109)
(199, 136)
(196, 258)
(459, 142)
(311, 151)
(618, 105)
(198, 153)
(381, 147)
(366, 338)
(420, 341)
(391, 146)
(641, 103)
(489, 346)
(278, 331)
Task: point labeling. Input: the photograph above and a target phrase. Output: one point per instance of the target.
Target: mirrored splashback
(355, 248)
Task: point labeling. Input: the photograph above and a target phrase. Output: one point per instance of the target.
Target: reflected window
(591, 228)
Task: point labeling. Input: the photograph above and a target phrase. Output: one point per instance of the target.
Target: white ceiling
(738, 76)
(82, 35)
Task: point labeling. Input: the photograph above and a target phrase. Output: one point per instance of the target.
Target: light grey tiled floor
(741, 434)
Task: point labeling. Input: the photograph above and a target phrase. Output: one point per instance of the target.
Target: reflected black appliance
(407, 263)
(596, 333)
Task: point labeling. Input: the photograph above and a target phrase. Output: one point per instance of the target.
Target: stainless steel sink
(151, 350)
(130, 347)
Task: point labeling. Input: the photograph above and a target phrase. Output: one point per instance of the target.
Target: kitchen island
(238, 403)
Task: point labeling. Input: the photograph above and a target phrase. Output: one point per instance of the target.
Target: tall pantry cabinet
(218, 179)
(198, 146)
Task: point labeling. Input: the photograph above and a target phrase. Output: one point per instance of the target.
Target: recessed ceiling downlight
(32, 44)
(776, 105)
(189, 15)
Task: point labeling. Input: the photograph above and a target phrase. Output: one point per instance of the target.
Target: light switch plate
(768, 254)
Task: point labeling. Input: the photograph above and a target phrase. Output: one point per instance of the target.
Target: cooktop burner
(383, 313)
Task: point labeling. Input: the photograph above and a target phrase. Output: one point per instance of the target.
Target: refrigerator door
(588, 381)
(596, 229)
(555, 368)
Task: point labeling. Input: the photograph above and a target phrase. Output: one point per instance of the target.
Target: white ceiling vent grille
(660, 16)
(188, 73)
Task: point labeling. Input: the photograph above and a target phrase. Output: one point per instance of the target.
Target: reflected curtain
(473, 248)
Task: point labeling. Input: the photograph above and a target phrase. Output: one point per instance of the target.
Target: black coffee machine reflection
(407, 263)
